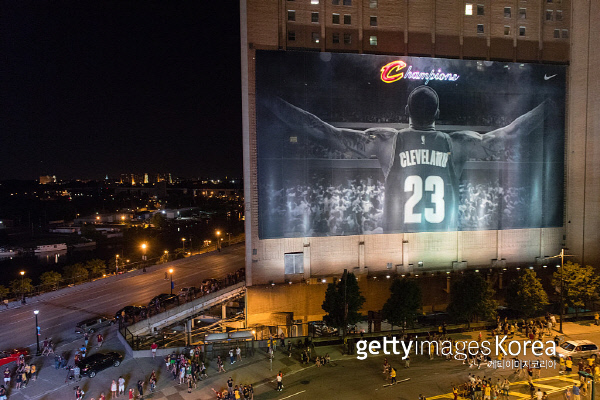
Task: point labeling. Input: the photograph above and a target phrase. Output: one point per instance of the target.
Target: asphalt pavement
(345, 377)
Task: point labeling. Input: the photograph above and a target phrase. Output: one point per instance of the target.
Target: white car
(576, 349)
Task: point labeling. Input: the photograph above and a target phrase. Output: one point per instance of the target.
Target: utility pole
(345, 278)
(562, 256)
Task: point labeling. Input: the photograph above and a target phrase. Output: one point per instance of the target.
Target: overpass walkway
(187, 310)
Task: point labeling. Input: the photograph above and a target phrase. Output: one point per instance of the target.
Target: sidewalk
(256, 369)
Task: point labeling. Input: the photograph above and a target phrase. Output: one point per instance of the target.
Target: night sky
(91, 88)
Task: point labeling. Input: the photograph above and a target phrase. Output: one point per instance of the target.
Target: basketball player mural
(421, 165)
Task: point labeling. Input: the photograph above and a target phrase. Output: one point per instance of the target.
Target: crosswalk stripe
(550, 389)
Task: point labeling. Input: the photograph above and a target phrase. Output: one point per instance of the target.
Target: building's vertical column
(246, 140)
(591, 232)
(306, 258)
(577, 132)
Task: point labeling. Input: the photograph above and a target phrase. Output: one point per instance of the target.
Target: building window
(291, 36)
(522, 13)
(294, 263)
(559, 15)
(507, 13)
(479, 28)
(335, 38)
(521, 31)
(373, 40)
(469, 9)
(291, 15)
(347, 38)
(565, 33)
(316, 37)
(314, 2)
(506, 30)
(347, 2)
(347, 19)
(314, 17)
(335, 19)
(335, 2)
(480, 9)
(557, 33)
(549, 15)
(372, 3)
(373, 21)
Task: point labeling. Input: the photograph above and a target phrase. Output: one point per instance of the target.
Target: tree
(21, 285)
(579, 284)
(76, 273)
(471, 297)
(3, 292)
(158, 220)
(404, 302)
(339, 313)
(526, 294)
(96, 268)
(50, 279)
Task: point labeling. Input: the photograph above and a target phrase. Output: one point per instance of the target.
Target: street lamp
(37, 332)
(22, 288)
(183, 244)
(167, 255)
(116, 264)
(144, 245)
(218, 244)
(171, 272)
(562, 256)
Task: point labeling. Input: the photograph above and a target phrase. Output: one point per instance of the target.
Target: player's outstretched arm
(475, 145)
(340, 138)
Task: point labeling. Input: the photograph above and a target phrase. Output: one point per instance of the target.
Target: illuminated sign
(390, 72)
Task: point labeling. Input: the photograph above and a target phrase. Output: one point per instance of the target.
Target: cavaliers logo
(391, 72)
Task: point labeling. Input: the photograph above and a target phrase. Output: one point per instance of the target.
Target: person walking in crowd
(121, 383)
(140, 388)
(113, 388)
(280, 382)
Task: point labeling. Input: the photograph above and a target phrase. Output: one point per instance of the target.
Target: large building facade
(559, 32)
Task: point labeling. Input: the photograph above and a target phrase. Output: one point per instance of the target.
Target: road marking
(391, 384)
(551, 389)
(566, 379)
(292, 395)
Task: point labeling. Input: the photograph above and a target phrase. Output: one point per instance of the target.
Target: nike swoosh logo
(546, 77)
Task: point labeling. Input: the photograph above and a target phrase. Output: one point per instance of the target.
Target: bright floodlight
(36, 312)
(171, 270)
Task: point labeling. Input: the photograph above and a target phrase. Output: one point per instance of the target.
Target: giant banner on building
(352, 144)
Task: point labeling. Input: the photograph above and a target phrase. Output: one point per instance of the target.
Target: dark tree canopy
(333, 304)
(526, 294)
(580, 284)
(471, 297)
(404, 302)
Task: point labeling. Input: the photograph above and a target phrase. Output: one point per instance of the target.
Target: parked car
(95, 363)
(93, 324)
(6, 357)
(188, 291)
(130, 311)
(576, 349)
(164, 299)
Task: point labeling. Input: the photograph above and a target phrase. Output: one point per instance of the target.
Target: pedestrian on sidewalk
(153, 347)
(238, 353)
(231, 356)
(102, 396)
(113, 388)
(7, 377)
(220, 367)
(130, 394)
(100, 339)
(280, 382)
(140, 388)
(230, 386)
(392, 375)
(121, 383)
(2, 392)
(79, 393)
